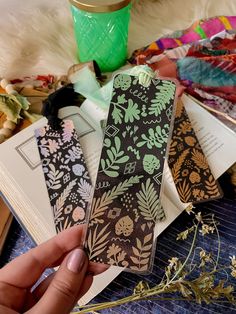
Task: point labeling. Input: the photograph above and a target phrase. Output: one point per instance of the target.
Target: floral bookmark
(67, 179)
(191, 173)
(125, 206)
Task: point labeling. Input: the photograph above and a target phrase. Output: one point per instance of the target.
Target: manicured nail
(76, 260)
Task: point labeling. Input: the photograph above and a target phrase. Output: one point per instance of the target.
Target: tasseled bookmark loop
(63, 97)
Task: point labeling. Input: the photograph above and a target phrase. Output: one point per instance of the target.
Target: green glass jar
(101, 31)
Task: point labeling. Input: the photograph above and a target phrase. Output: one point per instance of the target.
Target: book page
(218, 142)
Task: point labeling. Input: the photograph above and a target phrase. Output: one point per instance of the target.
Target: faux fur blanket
(37, 36)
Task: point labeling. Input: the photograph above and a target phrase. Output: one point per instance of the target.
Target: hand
(59, 292)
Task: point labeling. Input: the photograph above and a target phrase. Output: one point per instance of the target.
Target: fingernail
(76, 260)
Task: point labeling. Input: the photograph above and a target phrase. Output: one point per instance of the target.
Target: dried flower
(189, 209)
(184, 234)
(206, 229)
(198, 216)
(173, 262)
(205, 258)
(233, 266)
(233, 260)
(233, 273)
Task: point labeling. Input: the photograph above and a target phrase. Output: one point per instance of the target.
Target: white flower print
(73, 154)
(78, 169)
(53, 146)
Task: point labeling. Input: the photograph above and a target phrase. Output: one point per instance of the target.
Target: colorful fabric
(203, 59)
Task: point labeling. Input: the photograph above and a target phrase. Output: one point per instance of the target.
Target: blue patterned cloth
(225, 212)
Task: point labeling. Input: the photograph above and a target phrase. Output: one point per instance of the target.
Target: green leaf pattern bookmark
(126, 206)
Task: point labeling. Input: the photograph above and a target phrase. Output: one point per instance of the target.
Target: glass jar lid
(100, 6)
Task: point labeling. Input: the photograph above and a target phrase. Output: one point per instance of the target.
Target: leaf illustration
(115, 156)
(84, 190)
(212, 187)
(100, 205)
(184, 191)
(122, 81)
(175, 169)
(172, 150)
(59, 206)
(64, 224)
(155, 137)
(142, 253)
(179, 109)
(97, 241)
(163, 97)
(54, 178)
(121, 99)
(148, 202)
(117, 115)
(124, 226)
(199, 159)
(132, 112)
(150, 163)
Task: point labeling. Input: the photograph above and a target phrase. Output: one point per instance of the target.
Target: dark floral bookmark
(190, 170)
(67, 179)
(125, 206)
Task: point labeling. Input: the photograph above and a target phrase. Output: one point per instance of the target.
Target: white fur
(37, 36)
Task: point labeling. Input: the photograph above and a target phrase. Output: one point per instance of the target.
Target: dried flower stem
(187, 258)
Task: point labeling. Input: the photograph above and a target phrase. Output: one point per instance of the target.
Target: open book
(22, 181)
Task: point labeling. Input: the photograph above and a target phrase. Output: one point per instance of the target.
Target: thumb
(63, 292)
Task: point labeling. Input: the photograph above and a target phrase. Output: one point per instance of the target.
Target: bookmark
(67, 179)
(125, 206)
(190, 170)
(66, 176)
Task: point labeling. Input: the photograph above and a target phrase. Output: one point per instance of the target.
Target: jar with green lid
(101, 31)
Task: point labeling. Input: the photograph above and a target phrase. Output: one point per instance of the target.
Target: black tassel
(63, 97)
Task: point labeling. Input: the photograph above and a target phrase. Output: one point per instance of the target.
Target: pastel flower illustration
(78, 169)
(53, 146)
(68, 131)
(44, 151)
(78, 214)
(113, 250)
(40, 132)
(73, 154)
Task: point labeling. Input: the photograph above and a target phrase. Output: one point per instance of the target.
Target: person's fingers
(6, 310)
(39, 291)
(88, 280)
(97, 268)
(93, 270)
(25, 270)
(64, 290)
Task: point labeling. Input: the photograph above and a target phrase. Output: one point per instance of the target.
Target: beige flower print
(78, 214)
(194, 177)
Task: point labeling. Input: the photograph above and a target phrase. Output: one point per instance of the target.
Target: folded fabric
(203, 58)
